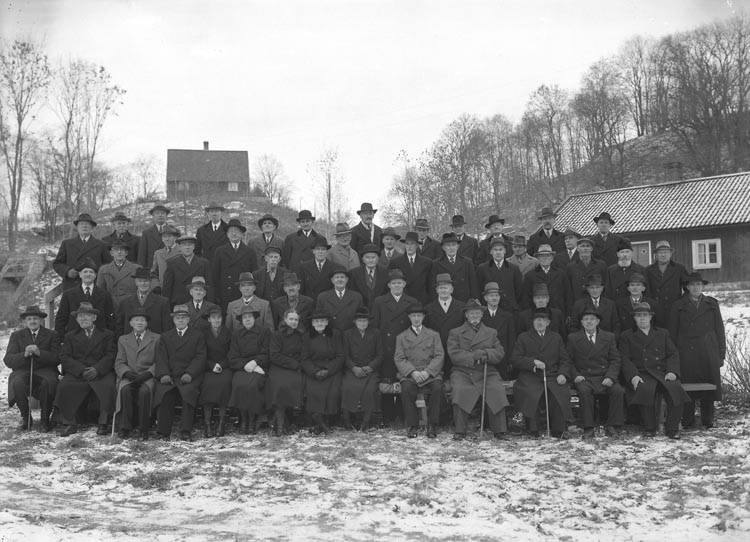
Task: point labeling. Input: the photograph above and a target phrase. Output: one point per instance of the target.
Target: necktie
(88, 292)
(591, 338)
(88, 333)
(169, 249)
(411, 260)
(198, 306)
(320, 267)
(370, 278)
(236, 247)
(141, 299)
(492, 314)
(268, 240)
(272, 275)
(138, 339)
(452, 260)
(570, 254)
(596, 303)
(180, 332)
(388, 254)
(216, 227)
(33, 336)
(341, 294)
(159, 228)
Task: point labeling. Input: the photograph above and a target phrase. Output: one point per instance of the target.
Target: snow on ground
(381, 485)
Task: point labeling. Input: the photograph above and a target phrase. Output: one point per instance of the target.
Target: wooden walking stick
(31, 386)
(546, 399)
(484, 400)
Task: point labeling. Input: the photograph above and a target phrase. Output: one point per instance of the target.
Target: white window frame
(648, 244)
(233, 187)
(696, 250)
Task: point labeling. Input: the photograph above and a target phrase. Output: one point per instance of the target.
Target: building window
(642, 252)
(233, 187)
(707, 254)
(183, 186)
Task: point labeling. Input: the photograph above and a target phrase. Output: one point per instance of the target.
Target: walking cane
(484, 400)
(31, 385)
(546, 400)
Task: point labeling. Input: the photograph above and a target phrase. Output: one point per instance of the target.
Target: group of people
(375, 323)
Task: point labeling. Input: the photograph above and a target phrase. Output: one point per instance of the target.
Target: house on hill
(207, 174)
(706, 220)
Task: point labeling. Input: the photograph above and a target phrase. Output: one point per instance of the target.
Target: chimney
(205, 145)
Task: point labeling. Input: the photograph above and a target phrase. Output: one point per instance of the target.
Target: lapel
(147, 339)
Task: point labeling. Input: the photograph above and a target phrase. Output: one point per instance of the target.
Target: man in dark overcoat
(298, 245)
(579, 271)
(180, 363)
(292, 299)
(87, 357)
(369, 279)
(596, 373)
(557, 282)
(547, 234)
(156, 306)
(340, 303)
(569, 253)
(267, 237)
(507, 276)
(666, 281)
(416, 268)
(212, 234)
(605, 242)
(503, 322)
(151, 237)
(697, 329)
(120, 223)
(495, 224)
(475, 351)
(624, 305)
(366, 233)
(85, 292)
(32, 352)
(181, 270)
(618, 275)
(76, 249)
(468, 246)
(315, 274)
(608, 320)
(651, 365)
(460, 269)
(538, 350)
(270, 276)
(444, 314)
(540, 297)
(229, 261)
(428, 247)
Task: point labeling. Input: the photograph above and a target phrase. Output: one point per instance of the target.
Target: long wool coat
(442, 322)
(529, 387)
(285, 379)
(199, 318)
(423, 352)
(72, 252)
(137, 358)
(578, 272)
(362, 236)
(609, 320)
(390, 318)
(45, 365)
(508, 278)
(665, 288)
(558, 285)
(265, 319)
(698, 333)
(504, 324)
(227, 264)
(266, 288)
(316, 281)
(323, 351)
(616, 281)
(209, 240)
(462, 273)
(624, 308)
(216, 387)
(150, 242)
(341, 311)
(417, 276)
(118, 282)
(72, 298)
(594, 362)
(258, 244)
(298, 248)
(155, 305)
(361, 351)
(248, 388)
(605, 250)
(133, 241)
(358, 283)
(159, 265)
(180, 273)
(177, 356)
(280, 305)
(467, 378)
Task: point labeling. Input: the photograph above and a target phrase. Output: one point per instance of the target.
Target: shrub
(737, 364)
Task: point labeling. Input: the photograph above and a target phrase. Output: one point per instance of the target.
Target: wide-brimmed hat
(342, 228)
(290, 278)
(33, 310)
(663, 244)
(585, 241)
(637, 277)
(694, 277)
(491, 287)
(624, 244)
(594, 280)
(411, 236)
(362, 313)
(494, 219)
(395, 274)
(449, 238)
(85, 308)
(85, 217)
(540, 288)
(168, 229)
(304, 215)
(589, 309)
(139, 312)
(320, 242)
(519, 240)
(213, 309)
(141, 273)
(120, 217)
(214, 205)
(546, 211)
(604, 216)
(390, 231)
(277, 250)
(571, 232)
(197, 281)
(270, 217)
(642, 307)
(443, 278)
(366, 207)
(320, 314)
(498, 241)
(187, 239)
(159, 207)
(545, 249)
(540, 312)
(235, 223)
(245, 276)
(247, 309)
(415, 307)
(458, 220)
(473, 304)
(368, 249)
(118, 243)
(340, 270)
(180, 310)
(86, 263)
(421, 224)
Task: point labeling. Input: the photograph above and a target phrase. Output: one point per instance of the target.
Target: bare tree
(328, 183)
(269, 176)
(24, 76)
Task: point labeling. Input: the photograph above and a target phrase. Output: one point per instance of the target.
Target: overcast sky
(292, 78)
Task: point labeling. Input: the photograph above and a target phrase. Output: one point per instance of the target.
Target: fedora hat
(415, 307)
(187, 239)
(571, 232)
(494, 219)
(270, 217)
(663, 245)
(545, 249)
(362, 313)
(246, 276)
(341, 271)
(642, 307)
(421, 224)
(366, 207)
(85, 217)
(540, 288)
(33, 310)
(247, 309)
(473, 304)
(319, 242)
(694, 277)
(624, 244)
(594, 280)
(449, 238)
(168, 229)
(320, 314)
(396, 274)
(290, 278)
(498, 241)
(86, 263)
(118, 243)
(590, 309)
(390, 232)
(585, 241)
(197, 281)
(139, 312)
(304, 215)
(491, 287)
(637, 277)
(519, 240)
(369, 248)
(604, 216)
(540, 312)
(85, 308)
(159, 207)
(546, 211)
(235, 223)
(180, 310)
(120, 217)
(411, 236)
(141, 273)
(458, 220)
(277, 250)
(342, 228)
(214, 205)
(214, 309)
(443, 278)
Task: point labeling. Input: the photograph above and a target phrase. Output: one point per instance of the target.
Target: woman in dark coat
(322, 361)
(363, 355)
(285, 377)
(248, 358)
(217, 380)
(697, 329)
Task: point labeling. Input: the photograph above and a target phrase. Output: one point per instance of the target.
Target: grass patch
(160, 480)
(76, 442)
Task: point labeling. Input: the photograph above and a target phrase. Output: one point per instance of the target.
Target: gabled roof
(695, 203)
(209, 166)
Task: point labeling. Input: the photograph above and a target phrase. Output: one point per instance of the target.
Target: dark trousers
(166, 413)
(135, 400)
(556, 418)
(409, 392)
(40, 390)
(498, 422)
(707, 409)
(672, 421)
(587, 400)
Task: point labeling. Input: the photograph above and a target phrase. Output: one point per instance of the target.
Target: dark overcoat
(150, 242)
(578, 272)
(442, 322)
(508, 278)
(314, 281)
(616, 282)
(248, 388)
(285, 378)
(258, 244)
(358, 283)
(594, 362)
(72, 298)
(180, 273)
(280, 305)
(430, 248)
(133, 241)
(199, 318)
(423, 352)
(323, 351)
(562, 259)
(266, 288)
(417, 276)
(298, 248)
(556, 322)
(72, 252)
(462, 273)
(209, 240)
(216, 387)
(390, 318)
(665, 288)
(486, 243)
(341, 311)
(607, 309)
(698, 332)
(177, 356)
(556, 240)
(624, 308)
(45, 365)
(157, 308)
(362, 351)
(605, 250)
(558, 285)
(361, 237)
(119, 282)
(504, 323)
(528, 389)
(227, 264)
(468, 247)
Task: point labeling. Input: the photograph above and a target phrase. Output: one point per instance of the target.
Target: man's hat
(187, 239)
(571, 232)
(545, 249)
(139, 312)
(366, 207)
(411, 236)
(421, 224)
(362, 313)
(473, 304)
(491, 287)
(85, 217)
(247, 309)
(624, 244)
(604, 216)
(390, 231)
(541, 312)
(637, 277)
(85, 308)
(594, 280)
(320, 314)
(290, 278)
(197, 281)
(86, 263)
(494, 219)
(320, 242)
(168, 229)
(270, 217)
(663, 244)
(443, 278)
(642, 307)
(214, 205)
(546, 211)
(214, 309)
(449, 238)
(415, 307)
(585, 241)
(235, 223)
(277, 250)
(33, 310)
(180, 310)
(498, 241)
(590, 309)
(458, 220)
(369, 248)
(395, 274)
(519, 240)
(304, 215)
(340, 271)
(159, 207)
(120, 217)
(118, 243)
(141, 273)
(694, 277)
(246, 276)
(342, 228)
(540, 288)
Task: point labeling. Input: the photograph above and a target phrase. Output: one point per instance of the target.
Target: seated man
(540, 299)
(476, 353)
(180, 362)
(292, 300)
(134, 366)
(596, 369)
(32, 355)
(198, 307)
(87, 357)
(155, 305)
(419, 361)
(538, 350)
(651, 364)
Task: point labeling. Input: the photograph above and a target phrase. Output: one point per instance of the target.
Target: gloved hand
(186, 379)
(143, 377)
(166, 380)
(130, 375)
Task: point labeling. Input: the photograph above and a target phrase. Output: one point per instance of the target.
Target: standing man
(569, 253)
(229, 261)
(315, 274)
(151, 239)
(467, 245)
(340, 303)
(144, 300)
(391, 250)
(116, 277)
(74, 250)
(444, 313)
(495, 224)
(505, 275)
(618, 275)
(169, 235)
(697, 328)
(121, 222)
(582, 269)
(608, 320)
(428, 247)
(416, 269)
(555, 279)
(341, 253)
(181, 270)
(547, 234)
(212, 234)
(32, 348)
(86, 292)
(503, 322)
(247, 284)
(666, 279)
(460, 269)
(292, 299)
(605, 242)
(267, 237)
(298, 245)
(520, 258)
(540, 298)
(366, 233)
(371, 278)
(271, 276)
(625, 305)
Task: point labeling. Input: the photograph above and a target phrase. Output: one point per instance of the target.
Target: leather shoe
(222, 429)
(123, 433)
(68, 430)
(412, 432)
(187, 436)
(459, 436)
(102, 430)
(648, 433)
(24, 425)
(46, 426)
(675, 435)
(431, 431)
(162, 436)
(501, 436)
(588, 433)
(611, 431)
(142, 436)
